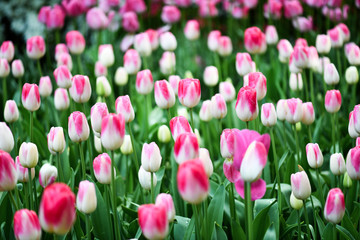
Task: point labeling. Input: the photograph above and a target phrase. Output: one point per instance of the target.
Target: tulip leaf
(282, 159)
(159, 177)
(320, 223)
(345, 233)
(218, 233)
(346, 222)
(215, 211)
(184, 228)
(100, 218)
(355, 215)
(262, 219)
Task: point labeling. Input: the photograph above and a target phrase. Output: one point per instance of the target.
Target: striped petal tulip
(86, 201)
(314, 155)
(112, 131)
(189, 92)
(186, 147)
(353, 163)
(153, 221)
(80, 90)
(47, 175)
(246, 104)
(164, 94)
(123, 106)
(78, 127)
(26, 225)
(334, 209)
(300, 185)
(332, 101)
(337, 164)
(56, 140)
(8, 177)
(30, 97)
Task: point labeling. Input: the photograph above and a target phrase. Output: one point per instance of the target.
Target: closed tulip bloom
(193, 183)
(293, 110)
(168, 41)
(8, 177)
(314, 155)
(28, 155)
(78, 128)
(11, 111)
(145, 179)
(174, 81)
(257, 80)
(211, 76)
(126, 147)
(56, 140)
(106, 55)
(153, 221)
(26, 225)
(281, 109)
(335, 206)
(227, 143)
(123, 106)
(296, 82)
(179, 125)
(300, 185)
(331, 75)
(17, 68)
(30, 97)
(142, 44)
(218, 106)
(186, 147)
(150, 157)
(352, 53)
(57, 211)
(351, 75)
(192, 30)
(225, 46)
(204, 156)
(103, 87)
(98, 112)
(60, 48)
(313, 60)
(301, 56)
(47, 175)
(308, 112)
(337, 164)
(130, 22)
(356, 119)
(189, 92)
(295, 203)
(97, 19)
(154, 38)
(351, 127)
(268, 115)
(170, 14)
(353, 163)
(102, 168)
(285, 49)
(86, 201)
(45, 86)
(7, 50)
(121, 76)
(344, 31)
(63, 77)
(292, 9)
(4, 68)
(75, 41)
(100, 70)
(164, 94)
(22, 172)
(205, 113)
(246, 104)
(255, 40)
(61, 99)
(112, 131)
(65, 59)
(35, 47)
(165, 200)
(243, 63)
(80, 90)
(144, 82)
(6, 138)
(271, 35)
(164, 134)
(132, 61)
(323, 43)
(335, 37)
(227, 90)
(167, 63)
(213, 40)
(333, 101)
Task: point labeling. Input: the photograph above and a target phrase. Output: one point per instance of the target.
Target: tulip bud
(167, 63)
(130, 21)
(150, 157)
(211, 76)
(123, 106)
(246, 104)
(168, 41)
(292, 67)
(355, 119)
(351, 75)
(314, 155)
(26, 225)
(6, 138)
(186, 147)
(335, 206)
(142, 44)
(300, 185)
(103, 87)
(75, 41)
(165, 200)
(106, 55)
(293, 110)
(337, 164)
(100, 70)
(23, 173)
(11, 111)
(60, 48)
(225, 46)
(126, 147)
(102, 168)
(333, 101)
(271, 35)
(351, 127)
(86, 198)
(218, 106)
(121, 76)
(7, 50)
(353, 163)
(281, 109)
(189, 92)
(257, 81)
(352, 53)
(132, 61)
(179, 125)
(8, 169)
(174, 81)
(98, 112)
(308, 113)
(56, 140)
(145, 179)
(213, 40)
(268, 115)
(227, 90)
(347, 182)
(17, 68)
(204, 156)
(253, 162)
(4, 68)
(205, 113)
(285, 50)
(192, 30)
(35, 47)
(153, 221)
(295, 203)
(30, 97)
(47, 175)
(227, 141)
(163, 134)
(323, 43)
(164, 94)
(63, 77)
(28, 155)
(80, 90)
(344, 31)
(154, 38)
(301, 56)
(57, 200)
(65, 60)
(45, 86)
(335, 37)
(112, 131)
(243, 63)
(193, 183)
(255, 40)
(78, 128)
(331, 75)
(61, 99)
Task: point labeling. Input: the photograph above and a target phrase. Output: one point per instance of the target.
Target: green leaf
(345, 233)
(219, 233)
(184, 228)
(262, 219)
(320, 223)
(346, 223)
(328, 232)
(159, 177)
(282, 159)
(100, 218)
(215, 211)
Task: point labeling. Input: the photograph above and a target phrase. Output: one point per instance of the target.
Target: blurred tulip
(351, 127)
(121, 76)
(225, 47)
(213, 40)
(80, 90)
(168, 41)
(344, 31)
(56, 140)
(230, 172)
(246, 105)
(296, 82)
(106, 55)
(179, 125)
(103, 87)
(26, 225)
(22, 172)
(61, 99)
(112, 131)
(17, 68)
(227, 143)
(144, 82)
(285, 50)
(295, 203)
(186, 147)
(337, 164)
(227, 90)
(97, 19)
(293, 110)
(300, 185)
(142, 44)
(335, 37)
(100, 70)
(47, 175)
(154, 38)
(153, 221)
(333, 101)
(63, 77)
(331, 75)
(257, 80)
(28, 155)
(164, 134)
(6, 138)
(351, 75)
(211, 76)
(243, 63)
(60, 48)
(126, 147)
(150, 157)
(189, 92)
(204, 156)
(45, 86)
(4, 68)
(205, 113)
(271, 35)
(334, 209)
(218, 106)
(254, 40)
(130, 22)
(65, 59)
(292, 9)
(281, 109)
(167, 63)
(86, 201)
(164, 94)
(8, 177)
(7, 50)
(174, 81)
(123, 106)
(145, 179)
(192, 30)
(98, 112)
(352, 53)
(75, 41)
(301, 56)
(132, 61)
(323, 43)
(11, 111)
(78, 128)
(353, 163)
(35, 47)
(170, 14)
(165, 200)
(308, 113)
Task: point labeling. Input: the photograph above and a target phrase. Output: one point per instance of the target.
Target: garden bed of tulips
(182, 119)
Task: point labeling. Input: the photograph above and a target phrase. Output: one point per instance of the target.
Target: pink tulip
(193, 183)
(300, 185)
(292, 9)
(227, 90)
(4, 68)
(56, 140)
(75, 41)
(296, 82)
(257, 80)
(65, 59)
(164, 94)
(98, 112)
(57, 211)
(132, 61)
(243, 63)
(344, 31)
(302, 42)
(314, 155)
(308, 113)
(255, 41)
(167, 63)
(192, 30)
(30, 97)
(150, 157)
(218, 106)
(35, 47)
(323, 43)
(60, 48)
(43, 14)
(227, 143)
(86, 201)
(7, 50)
(80, 90)
(17, 68)
(153, 221)
(144, 82)
(337, 164)
(301, 56)
(271, 35)
(186, 147)
(45, 86)
(258, 188)
(170, 14)
(335, 206)
(179, 125)
(63, 77)
(189, 92)
(74, 7)
(303, 24)
(183, 3)
(106, 55)
(47, 175)
(225, 46)
(142, 44)
(153, 38)
(273, 9)
(102, 168)
(112, 131)
(230, 172)
(351, 127)
(213, 40)
(174, 81)
(11, 111)
(55, 17)
(333, 101)
(61, 99)
(293, 110)
(123, 106)
(8, 178)
(268, 115)
(353, 163)
(331, 75)
(78, 128)
(164, 199)
(6, 138)
(22, 172)
(100, 69)
(246, 104)
(352, 53)
(335, 37)
(97, 19)
(205, 113)
(26, 225)
(285, 50)
(130, 22)
(168, 41)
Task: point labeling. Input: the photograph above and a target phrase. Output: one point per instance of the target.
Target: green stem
(297, 147)
(333, 131)
(218, 66)
(306, 85)
(192, 119)
(299, 225)
(34, 189)
(146, 117)
(232, 209)
(30, 190)
(306, 219)
(39, 68)
(18, 197)
(320, 187)
(197, 225)
(82, 159)
(276, 167)
(57, 36)
(152, 188)
(339, 62)
(13, 200)
(334, 232)
(113, 184)
(5, 92)
(312, 87)
(80, 67)
(248, 207)
(61, 177)
(285, 79)
(31, 125)
(88, 227)
(309, 132)
(107, 200)
(134, 148)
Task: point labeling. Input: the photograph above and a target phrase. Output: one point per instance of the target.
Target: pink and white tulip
(352, 53)
(334, 209)
(102, 168)
(218, 106)
(204, 156)
(323, 43)
(45, 86)
(144, 82)
(60, 48)
(293, 110)
(56, 140)
(300, 185)
(78, 127)
(98, 112)
(106, 55)
(22, 172)
(47, 175)
(213, 40)
(353, 163)
(26, 225)
(153, 221)
(75, 41)
(271, 35)
(7, 50)
(17, 68)
(11, 111)
(8, 178)
(4, 68)
(257, 80)
(285, 50)
(65, 59)
(179, 125)
(243, 63)
(254, 40)
(308, 113)
(192, 30)
(331, 75)
(268, 115)
(150, 157)
(6, 138)
(123, 106)
(35, 47)
(227, 143)
(112, 131)
(211, 76)
(165, 200)
(80, 90)
(167, 63)
(227, 90)
(100, 69)
(164, 94)
(205, 113)
(337, 164)
(333, 101)
(314, 155)
(253, 162)
(86, 201)
(246, 104)
(186, 147)
(61, 99)
(335, 37)
(132, 61)
(168, 41)
(189, 92)
(63, 77)
(142, 44)
(30, 97)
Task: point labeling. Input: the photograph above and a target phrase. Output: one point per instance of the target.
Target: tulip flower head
(26, 225)
(335, 206)
(8, 178)
(153, 221)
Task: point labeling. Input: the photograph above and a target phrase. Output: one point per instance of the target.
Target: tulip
(61, 99)
(230, 172)
(170, 14)
(26, 225)
(7, 50)
(168, 41)
(121, 76)
(293, 110)
(154, 38)
(63, 77)
(268, 115)
(204, 156)
(225, 46)
(145, 179)
(313, 58)
(100, 70)
(255, 40)
(30, 97)
(164, 134)
(243, 63)
(75, 7)
(106, 55)
(308, 113)
(22, 172)
(4, 68)
(351, 75)
(186, 147)
(323, 43)
(295, 203)
(257, 81)
(335, 206)
(126, 147)
(11, 111)
(246, 104)
(344, 31)
(97, 19)
(57, 211)
(165, 200)
(164, 94)
(132, 61)
(174, 81)
(167, 63)
(17, 68)
(213, 40)
(60, 48)
(112, 131)
(102, 168)
(295, 82)
(337, 164)
(123, 106)
(205, 113)
(144, 82)
(331, 75)
(211, 76)
(271, 35)
(227, 90)
(300, 185)
(8, 169)
(218, 106)
(179, 125)
(56, 140)
(351, 127)
(301, 56)
(352, 53)
(103, 88)
(78, 128)
(335, 37)
(75, 41)
(45, 86)
(80, 90)
(285, 50)
(6, 138)
(150, 157)
(47, 175)
(142, 44)
(153, 221)
(332, 101)
(281, 109)
(353, 163)
(35, 47)
(292, 9)
(86, 198)
(314, 155)
(98, 112)
(28, 155)
(189, 92)
(227, 143)
(192, 30)
(65, 59)
(130, 22)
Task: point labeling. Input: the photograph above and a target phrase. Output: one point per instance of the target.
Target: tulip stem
(192, 119)
(83, 170)
(31, 125)
(299, 225)
(4, 92)
(58, 162)
(134, 148)
(306, 219)
(39, 68)
(30, 189)
(306, 85)
(276, 167)
(297, 147)
(248, 209)
(310, 135)
(88, 230)
(34, 189)
(152, 188)
(232, 209)
(113, 184)
(320, 187)
(13, 200)
(334, 231)
(197, 222)
(107, 199)
(338, 51)
(333, 131)
(312, 87)
(80, 68)
(218, 66)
